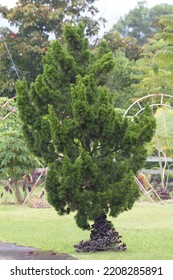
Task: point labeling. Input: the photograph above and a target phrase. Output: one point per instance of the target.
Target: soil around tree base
(10, 251)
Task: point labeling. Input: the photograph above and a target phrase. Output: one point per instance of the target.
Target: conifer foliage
(68, 119)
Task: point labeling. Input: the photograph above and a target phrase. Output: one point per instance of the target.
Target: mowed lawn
(147, 230)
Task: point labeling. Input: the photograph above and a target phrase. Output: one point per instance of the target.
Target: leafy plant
(15, 159)
(165, 54)
(163, 137)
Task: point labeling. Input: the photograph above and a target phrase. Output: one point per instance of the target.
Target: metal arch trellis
(150, 96)
(12, 109)
(140, 108)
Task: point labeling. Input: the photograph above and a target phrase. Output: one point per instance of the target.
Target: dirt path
(10, 251)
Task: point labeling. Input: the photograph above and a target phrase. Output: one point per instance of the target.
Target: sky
(111, 10)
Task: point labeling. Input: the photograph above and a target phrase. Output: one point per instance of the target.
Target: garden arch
(138, 106)
(159, 99)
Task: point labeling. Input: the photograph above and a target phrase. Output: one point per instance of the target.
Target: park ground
(146, 229)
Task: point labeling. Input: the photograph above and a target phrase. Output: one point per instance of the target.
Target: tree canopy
(165, 53)
(47, 16)
(36, 22)
(142, 22)
(128, 45)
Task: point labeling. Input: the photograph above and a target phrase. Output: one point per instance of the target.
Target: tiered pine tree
(91, 151)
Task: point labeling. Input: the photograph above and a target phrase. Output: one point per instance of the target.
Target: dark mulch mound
(103, 237)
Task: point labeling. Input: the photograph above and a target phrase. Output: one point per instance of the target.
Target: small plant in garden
(91, 151)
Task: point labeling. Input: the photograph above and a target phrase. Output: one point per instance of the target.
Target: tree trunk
(17, 192)
(161, 170)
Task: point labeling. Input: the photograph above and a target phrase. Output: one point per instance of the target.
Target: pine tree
(68, 119)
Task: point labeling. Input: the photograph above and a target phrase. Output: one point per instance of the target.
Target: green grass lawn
(147, 230)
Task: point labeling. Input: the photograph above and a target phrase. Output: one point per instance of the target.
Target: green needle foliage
(68, 119)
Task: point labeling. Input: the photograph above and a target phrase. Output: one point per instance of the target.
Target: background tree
(143, 74)
(35, 22)
(91, 150)
(161, 144)
(128, 45)
(15, 161)
(149, 73)
(8, 74)
(120, 81)
(46, 16)
(15, 158)
(142, 22)
(165, 54)
(26, 55)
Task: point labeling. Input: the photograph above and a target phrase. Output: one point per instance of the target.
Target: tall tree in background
(149, 72)
(49, 16)
(142, 22)
(165, 53)
(120, 81)
(26, 53)
(128, 45)
(91, 150)
(126, 51)
(154, 70)
(35, 22)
